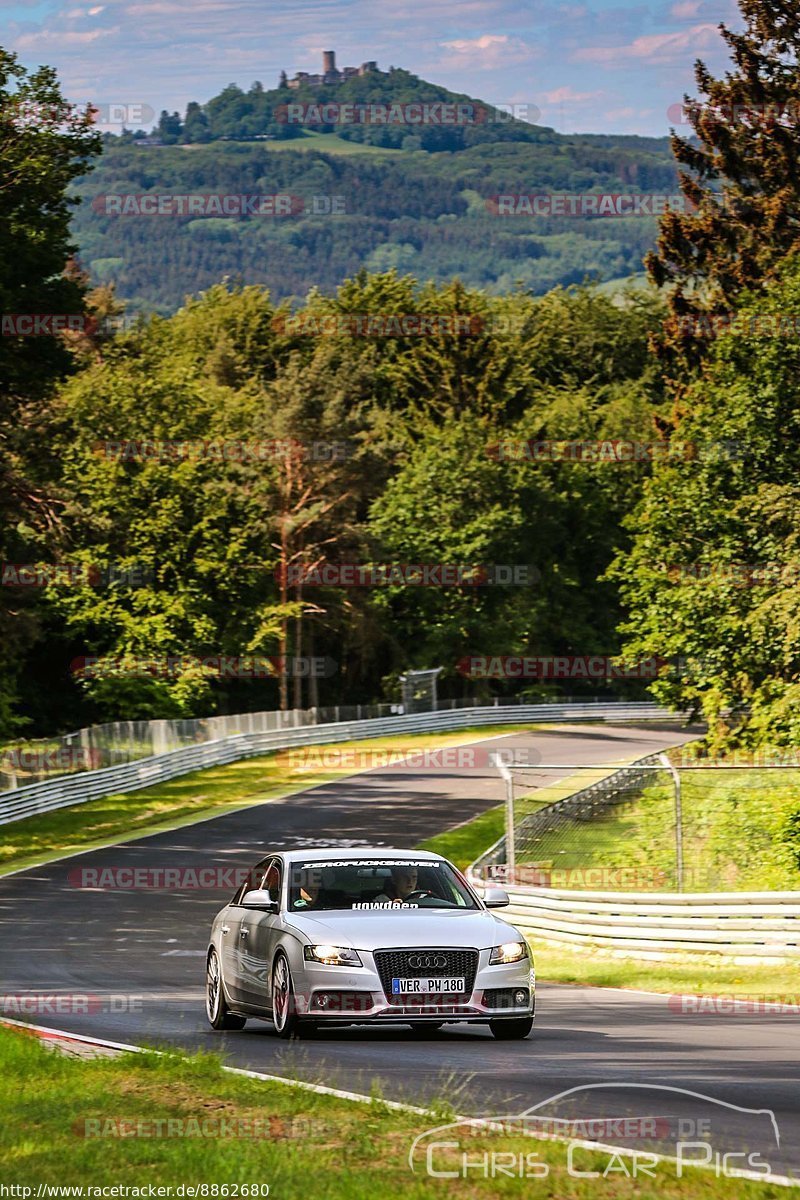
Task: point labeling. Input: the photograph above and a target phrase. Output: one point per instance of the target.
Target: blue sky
(600, 67)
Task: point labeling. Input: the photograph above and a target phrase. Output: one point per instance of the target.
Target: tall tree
(169, 127)
(325, 473)
(711, 580)
(740, 179)
(44, 145)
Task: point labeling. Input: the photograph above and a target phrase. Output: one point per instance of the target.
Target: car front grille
(397, 964)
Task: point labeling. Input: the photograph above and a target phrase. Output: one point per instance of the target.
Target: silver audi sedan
(366, 937)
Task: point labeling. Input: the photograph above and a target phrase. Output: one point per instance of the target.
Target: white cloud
(568, 95)
(486, 53)
(703, 10)
(52, 37)
(656, 47)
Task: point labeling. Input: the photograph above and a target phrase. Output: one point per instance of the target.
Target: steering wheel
(418, 895)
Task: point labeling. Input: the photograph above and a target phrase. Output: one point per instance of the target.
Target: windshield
(379, 885)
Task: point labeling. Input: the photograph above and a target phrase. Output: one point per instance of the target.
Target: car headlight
(332, 956)
(509, 952)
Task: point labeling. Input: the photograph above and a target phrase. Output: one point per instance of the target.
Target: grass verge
(698, 974)
(741, 832)
(203, 794)
(69, 1122)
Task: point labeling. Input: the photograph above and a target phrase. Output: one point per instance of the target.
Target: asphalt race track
(142, 951)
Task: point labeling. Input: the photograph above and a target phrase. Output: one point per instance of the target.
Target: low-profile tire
(217, 1011)
(426, 1028)
(506, 1028)
(284, 1008)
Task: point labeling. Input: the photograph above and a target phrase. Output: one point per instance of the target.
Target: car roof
(338, 854)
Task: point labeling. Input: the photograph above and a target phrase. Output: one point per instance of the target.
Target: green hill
(367, 195)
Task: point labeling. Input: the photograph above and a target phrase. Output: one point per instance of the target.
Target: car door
(258, 936)
(229, 925)
(231, 939)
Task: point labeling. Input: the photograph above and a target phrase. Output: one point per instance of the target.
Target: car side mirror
(495, 897)
(259, 898)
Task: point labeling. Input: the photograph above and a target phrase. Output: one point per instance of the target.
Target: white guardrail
(65, 790)
(746, 927)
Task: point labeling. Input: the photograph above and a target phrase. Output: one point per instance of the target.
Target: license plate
(425, 985)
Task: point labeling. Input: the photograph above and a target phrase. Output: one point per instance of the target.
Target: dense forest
(337, 449)
(414, 213)
(599, 477)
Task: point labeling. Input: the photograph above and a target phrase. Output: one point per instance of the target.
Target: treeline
(261, 112)
(428, 216)
(204, 462)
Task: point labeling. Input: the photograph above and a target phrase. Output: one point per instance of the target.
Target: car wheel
(284, 1010)
(217, 1011)
(511, 1027)
(423, 1028)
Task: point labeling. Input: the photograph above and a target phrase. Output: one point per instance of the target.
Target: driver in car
(309, 891)
(402, 884)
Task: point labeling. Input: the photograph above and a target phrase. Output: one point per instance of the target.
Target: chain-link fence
(97, 746)
(658, 824)
(27, 762)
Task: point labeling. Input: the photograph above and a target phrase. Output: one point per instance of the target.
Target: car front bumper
(347, 995)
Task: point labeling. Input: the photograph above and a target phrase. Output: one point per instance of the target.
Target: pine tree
(170, 127)
(195, 125)
(740, 179)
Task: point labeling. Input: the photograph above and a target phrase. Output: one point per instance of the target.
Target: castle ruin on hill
(330, 73)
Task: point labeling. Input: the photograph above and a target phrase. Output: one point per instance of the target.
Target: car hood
(378, 929)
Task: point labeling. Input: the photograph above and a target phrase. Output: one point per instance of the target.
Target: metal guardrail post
(510, 841)
(511, 850)
(676, 779)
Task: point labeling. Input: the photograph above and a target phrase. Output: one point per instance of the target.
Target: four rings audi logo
(426, 962)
